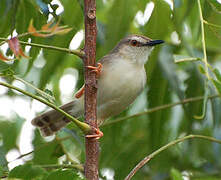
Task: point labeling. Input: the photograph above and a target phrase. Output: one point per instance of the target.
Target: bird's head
(136, 48)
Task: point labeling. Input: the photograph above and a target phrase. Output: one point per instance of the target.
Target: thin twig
(42, 93)
(83, 126)
(186, 59)
(215, 33)
(63, 166)
(166, 106)
(40, 147)
(211, 24)
(78, 53)
(203, 40)
(149, 157)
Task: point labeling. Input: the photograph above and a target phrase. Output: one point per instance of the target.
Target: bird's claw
(80, 93)
(98, 134)
(96, 69)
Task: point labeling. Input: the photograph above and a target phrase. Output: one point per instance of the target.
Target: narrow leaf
(31, 28)
(183, 58)
(215, 5)
(46, 26)
(201, 69)
(1, 171)
(3, 66)
(27, 171)
(3, 58)
(217, 84)
(62, 30)
(175, 174)
(34, 32)
(48, 30)
(21, 53)
(16, 48)
(63, 174)
(204, 103)
(217, 74)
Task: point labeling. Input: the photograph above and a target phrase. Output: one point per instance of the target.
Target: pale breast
(118, 86)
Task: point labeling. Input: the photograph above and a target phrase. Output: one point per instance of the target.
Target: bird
(121, 78)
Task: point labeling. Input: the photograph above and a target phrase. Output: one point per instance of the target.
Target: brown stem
(91, 145)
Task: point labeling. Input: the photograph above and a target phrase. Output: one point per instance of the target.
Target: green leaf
(117, 28)
(217, 74)
(212, 37)
(142, 4)
(1, 171)
(168, 69)
(45, 152)
(201, 69)
(3, 161)
(159, 118)
(175, 174)
(3, 66)
(64, 174)
(27, 11)
(14, 127)
(76, 18)
(58, 151)
(7, 11)
(27, 172)
(215, 5)
(54, 59)
(195, 87)
(205, 177)
(33, 53)
(184, 58)
(48, 95)
(205, 100)
(217, 84)
(157, 26)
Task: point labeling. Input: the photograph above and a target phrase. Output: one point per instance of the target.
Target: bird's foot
(80, 93)
(97, 69)
(98, 134)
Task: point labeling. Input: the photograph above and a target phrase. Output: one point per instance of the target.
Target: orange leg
(98, 134)
(80, 93)
(97, 69)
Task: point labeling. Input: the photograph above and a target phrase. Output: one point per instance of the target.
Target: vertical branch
(91, 145)
(203, 40)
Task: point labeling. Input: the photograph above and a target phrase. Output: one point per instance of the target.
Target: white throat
(139, 56)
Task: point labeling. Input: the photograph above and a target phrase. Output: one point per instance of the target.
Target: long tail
(52, 121)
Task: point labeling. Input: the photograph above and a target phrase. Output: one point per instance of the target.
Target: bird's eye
(133, 42)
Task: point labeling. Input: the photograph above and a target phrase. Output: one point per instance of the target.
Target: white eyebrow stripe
(139, 39)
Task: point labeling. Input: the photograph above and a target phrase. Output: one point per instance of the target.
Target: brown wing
(52, 121)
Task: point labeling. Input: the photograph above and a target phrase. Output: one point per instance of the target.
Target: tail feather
(52, 121)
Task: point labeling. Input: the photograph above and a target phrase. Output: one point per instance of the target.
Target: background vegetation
(128, 141)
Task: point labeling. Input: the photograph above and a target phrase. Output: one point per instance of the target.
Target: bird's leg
(80, 92)
(97, 69)
(98, 134)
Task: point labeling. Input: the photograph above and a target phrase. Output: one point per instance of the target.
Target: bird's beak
(154, 42)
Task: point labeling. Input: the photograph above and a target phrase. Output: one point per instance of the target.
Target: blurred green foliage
(127, 142)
